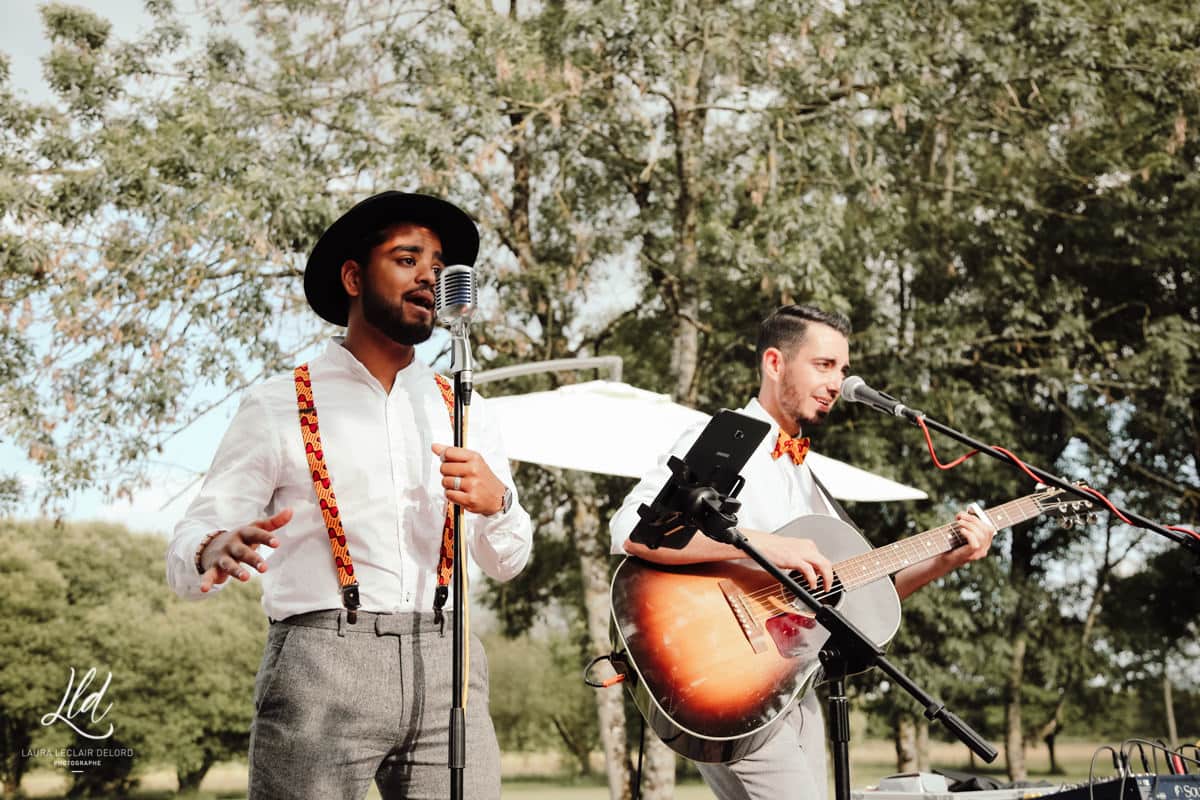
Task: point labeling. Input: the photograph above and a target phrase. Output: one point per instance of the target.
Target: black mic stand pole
(848, 649)
(460, 365)
(913, 416)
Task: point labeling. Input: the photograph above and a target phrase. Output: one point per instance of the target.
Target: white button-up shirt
(385, 476)
(776, 491)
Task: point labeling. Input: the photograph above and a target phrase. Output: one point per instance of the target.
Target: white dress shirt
(776, 491)
(387, 480)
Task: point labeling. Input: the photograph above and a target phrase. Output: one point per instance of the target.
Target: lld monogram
(75, 703)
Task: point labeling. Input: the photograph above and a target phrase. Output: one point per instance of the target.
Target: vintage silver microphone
(454, 302)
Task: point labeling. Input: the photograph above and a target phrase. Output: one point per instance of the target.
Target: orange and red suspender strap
(446, 560)
(311, 432)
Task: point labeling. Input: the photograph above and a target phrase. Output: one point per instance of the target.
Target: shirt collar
(345, 362)
(755, 409)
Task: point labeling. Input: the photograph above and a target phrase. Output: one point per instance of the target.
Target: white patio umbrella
(618, 429)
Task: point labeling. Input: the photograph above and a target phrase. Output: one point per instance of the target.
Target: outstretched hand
(224, 556)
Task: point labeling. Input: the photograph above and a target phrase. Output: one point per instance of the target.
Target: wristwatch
(505, 504)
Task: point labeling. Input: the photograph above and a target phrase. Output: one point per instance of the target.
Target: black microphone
(454, 302)
(855, 390)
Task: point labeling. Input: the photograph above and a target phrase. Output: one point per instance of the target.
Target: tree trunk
(189, 781)
(1050, 740)
(1049, 731)
(593, 565)
(1014, 739)
(575, 747)
(16, 740)
(685, 351)
(689, 116)
(906, 743)
(658, 778)
(1169, 708)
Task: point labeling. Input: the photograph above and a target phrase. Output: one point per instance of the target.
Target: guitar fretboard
(889, 559)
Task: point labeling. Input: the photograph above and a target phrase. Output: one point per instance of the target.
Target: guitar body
(717, 652)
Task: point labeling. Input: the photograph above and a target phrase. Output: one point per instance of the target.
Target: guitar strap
(841, 512)
(833, 503)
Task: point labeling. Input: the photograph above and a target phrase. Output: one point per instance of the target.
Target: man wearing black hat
(334, 483)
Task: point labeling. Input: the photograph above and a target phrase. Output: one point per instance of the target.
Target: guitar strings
(761, 597)
(781, 592)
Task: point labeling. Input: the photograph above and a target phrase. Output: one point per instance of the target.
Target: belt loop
(342, 624)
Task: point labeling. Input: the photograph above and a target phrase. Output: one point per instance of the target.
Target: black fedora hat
(323, 273)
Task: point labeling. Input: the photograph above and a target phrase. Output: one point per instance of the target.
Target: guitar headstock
(1072, 509)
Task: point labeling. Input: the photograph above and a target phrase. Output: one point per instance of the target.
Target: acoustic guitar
(715, 653)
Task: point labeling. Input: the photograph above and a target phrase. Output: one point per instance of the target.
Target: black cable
(637, 778)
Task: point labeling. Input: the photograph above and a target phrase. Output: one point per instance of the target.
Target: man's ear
(352, 277)
(772, 363)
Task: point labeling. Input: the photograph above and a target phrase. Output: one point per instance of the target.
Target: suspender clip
(350, 601)
(440, 595)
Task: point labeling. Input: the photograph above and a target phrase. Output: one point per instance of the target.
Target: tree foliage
(81, 597)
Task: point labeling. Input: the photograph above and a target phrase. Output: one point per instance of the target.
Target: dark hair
(785, 327)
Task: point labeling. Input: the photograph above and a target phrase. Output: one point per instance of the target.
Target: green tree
(538, 701)
(78, 597)
(1158, 624)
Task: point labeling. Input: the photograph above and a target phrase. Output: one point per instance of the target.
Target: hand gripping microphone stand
(455, 301)
(687, 504)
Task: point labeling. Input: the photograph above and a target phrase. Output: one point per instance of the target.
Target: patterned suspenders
(311, 432)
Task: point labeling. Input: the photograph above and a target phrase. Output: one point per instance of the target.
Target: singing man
(333, 482)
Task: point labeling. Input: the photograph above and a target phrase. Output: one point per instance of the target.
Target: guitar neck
(890, 559)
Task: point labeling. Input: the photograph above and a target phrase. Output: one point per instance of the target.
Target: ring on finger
(457, 482)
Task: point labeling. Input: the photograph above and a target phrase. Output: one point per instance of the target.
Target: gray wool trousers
(792, 763)
(339, 705)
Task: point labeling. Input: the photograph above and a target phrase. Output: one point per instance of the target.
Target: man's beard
(389, 319)
(790, 400)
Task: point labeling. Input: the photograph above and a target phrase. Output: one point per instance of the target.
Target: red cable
(1021, 465)
(929, 441)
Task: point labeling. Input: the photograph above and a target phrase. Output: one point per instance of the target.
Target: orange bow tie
(797, 448)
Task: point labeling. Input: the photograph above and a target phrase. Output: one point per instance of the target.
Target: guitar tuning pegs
(1068, 522)
(1093, 518)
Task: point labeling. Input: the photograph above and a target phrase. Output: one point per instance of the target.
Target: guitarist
(803, 355)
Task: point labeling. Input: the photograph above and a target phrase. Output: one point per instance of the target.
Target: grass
(540, 776)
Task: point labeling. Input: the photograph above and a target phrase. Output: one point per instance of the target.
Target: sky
(23, 40)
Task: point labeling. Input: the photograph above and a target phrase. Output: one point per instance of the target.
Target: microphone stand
(701, 507)
(914, 416)
(460, 365)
